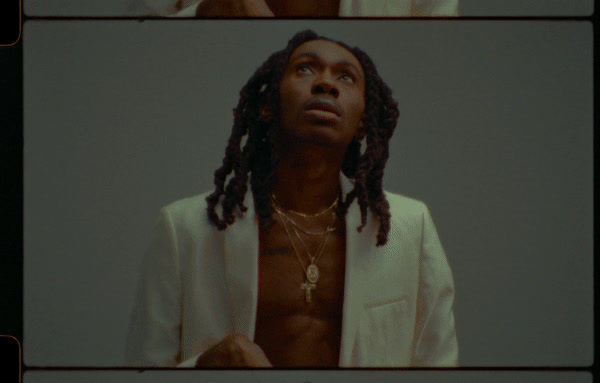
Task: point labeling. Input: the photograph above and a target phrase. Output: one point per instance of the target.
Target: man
(315, 265)
(293, 8)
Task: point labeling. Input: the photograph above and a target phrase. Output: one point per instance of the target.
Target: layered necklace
(290, 224)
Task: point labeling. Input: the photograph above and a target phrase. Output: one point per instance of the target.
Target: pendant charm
(312, 273)
(307, 287)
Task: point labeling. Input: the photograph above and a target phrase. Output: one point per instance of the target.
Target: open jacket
(199, 285)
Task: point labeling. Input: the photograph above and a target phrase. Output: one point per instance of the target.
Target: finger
(253, 354)
(258, 358)
(226, 353)
(257, 8)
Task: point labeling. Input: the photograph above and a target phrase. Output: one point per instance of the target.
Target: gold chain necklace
(295, 224)
(287, 212)
(334, 204)
(311, 272)
(315, 258)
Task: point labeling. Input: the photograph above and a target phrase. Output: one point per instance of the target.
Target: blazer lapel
(358, 247)
(241, 269)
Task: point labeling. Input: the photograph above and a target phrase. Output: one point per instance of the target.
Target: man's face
(322, 94)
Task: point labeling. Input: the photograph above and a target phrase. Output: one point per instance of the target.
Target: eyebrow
(316, 56)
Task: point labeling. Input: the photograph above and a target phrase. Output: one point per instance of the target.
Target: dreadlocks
(259, 157)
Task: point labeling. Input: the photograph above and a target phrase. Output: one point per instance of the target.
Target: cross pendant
(307, 287)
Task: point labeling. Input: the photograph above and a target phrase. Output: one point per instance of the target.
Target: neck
(307, 179)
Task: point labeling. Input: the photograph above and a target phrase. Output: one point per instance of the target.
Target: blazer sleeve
(435, 343)
(155, 326)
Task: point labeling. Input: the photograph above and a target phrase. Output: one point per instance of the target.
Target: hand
(235, 350)
(233, 8)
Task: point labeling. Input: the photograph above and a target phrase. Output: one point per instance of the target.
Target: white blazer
(199, 285)
(348, 8)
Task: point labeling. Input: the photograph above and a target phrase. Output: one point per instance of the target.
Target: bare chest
(299, 314)
(290, 261)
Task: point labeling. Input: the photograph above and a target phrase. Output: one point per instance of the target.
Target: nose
(324, 85)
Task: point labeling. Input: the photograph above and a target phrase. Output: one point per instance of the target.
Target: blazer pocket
(385, 333)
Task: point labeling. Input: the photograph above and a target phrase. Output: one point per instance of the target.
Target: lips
(324, 105)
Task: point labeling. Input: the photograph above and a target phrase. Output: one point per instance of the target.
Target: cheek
(286, 108)
(290, 96)
(284, 102)
(358, 107)
(286, 96)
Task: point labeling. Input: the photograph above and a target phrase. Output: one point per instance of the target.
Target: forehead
(327, 51)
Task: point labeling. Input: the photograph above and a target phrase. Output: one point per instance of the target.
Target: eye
(347, 77)
(303, 68)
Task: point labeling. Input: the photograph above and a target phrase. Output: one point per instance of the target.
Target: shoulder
(187, 206)
(408, 216)
(401, 205)
(189, 215)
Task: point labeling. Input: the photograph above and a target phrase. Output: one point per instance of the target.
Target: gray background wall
(307, 376)
(495, 135)
(467, 7)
